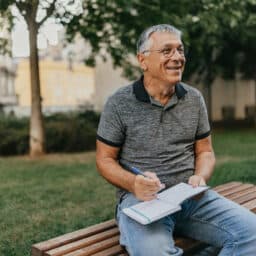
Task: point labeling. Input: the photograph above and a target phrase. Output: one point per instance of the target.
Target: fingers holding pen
(146, 187)
(154, 177)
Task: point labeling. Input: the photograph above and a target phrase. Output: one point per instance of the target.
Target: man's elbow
(104, 165)
(99, 164)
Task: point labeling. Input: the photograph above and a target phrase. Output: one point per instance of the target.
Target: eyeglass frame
(168, 55)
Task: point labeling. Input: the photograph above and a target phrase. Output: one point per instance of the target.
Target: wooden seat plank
(186, 243)
(95, 248)
(245, 198)
(240, 200)
(236, 189)
(113, 251)
(38, 248)
(251, 205)
(242, 193)
(226, 186)
(83, 242)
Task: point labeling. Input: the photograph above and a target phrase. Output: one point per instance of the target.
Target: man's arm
(204, 162)
(107, 163)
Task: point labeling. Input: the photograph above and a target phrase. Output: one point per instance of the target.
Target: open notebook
(167, 202)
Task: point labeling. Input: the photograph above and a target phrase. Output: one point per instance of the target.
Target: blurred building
(67, 84)
(63, 89)
(232, 99)
(8, 98)
(107, 81)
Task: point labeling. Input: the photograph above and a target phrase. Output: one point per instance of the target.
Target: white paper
(149, 211)
(167, 202)
(178, 193)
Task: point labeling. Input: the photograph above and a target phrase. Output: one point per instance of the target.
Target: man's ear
(142, 62)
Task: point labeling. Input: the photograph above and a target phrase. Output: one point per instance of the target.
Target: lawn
(236, 156)
(55, 194)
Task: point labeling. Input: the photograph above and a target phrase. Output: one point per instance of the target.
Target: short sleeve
(203, 128)
(110, 129)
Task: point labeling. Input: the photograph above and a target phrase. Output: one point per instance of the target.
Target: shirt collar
(142, 95)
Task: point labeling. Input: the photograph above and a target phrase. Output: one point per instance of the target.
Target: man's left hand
(195, 181)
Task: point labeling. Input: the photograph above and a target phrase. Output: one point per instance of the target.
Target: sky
(47, 33)
(20, 42)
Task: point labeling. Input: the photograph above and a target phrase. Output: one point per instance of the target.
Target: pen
(137, 171)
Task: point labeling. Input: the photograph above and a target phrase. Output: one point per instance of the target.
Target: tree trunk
(254, 102)
(208, 100)
(37, 136)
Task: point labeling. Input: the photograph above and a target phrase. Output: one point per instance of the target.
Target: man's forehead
(165, 38)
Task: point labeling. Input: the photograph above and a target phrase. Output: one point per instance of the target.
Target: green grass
(56, 194)
(236, 156)
(43, 198)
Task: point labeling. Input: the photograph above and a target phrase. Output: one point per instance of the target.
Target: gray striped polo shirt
(153, 137)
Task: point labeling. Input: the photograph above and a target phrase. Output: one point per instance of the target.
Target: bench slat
(226, 186)
(83, 242)
(245, 198)
(113, 251)
(242, 193)
(236, 189)
(95, 248)
(186, 243)
(242, 200)
(251, 205)
(38, 248)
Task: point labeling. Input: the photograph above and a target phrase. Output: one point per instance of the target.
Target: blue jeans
(212, 219)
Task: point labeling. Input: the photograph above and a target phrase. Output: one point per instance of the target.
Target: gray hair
(143, 42)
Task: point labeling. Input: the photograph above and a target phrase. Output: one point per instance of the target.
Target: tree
(219, 34)
(113, 26)
(35, 13)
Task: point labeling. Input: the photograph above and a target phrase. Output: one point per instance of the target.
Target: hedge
(72, 132)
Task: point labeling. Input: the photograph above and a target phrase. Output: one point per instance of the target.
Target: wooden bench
(103, 239)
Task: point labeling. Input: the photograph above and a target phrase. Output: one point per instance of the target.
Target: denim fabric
(213, 219)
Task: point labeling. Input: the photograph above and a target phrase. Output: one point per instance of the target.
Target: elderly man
(160, 125)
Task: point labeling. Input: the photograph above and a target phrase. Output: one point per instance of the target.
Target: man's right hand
(146, 188)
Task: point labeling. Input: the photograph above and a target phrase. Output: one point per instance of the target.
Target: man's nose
(177, 55)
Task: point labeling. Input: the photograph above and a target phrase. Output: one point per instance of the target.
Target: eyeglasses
(169, 52)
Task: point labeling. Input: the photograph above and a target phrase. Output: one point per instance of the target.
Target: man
(160, 126)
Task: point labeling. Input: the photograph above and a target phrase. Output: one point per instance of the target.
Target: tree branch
(49, 12)
(23, 7)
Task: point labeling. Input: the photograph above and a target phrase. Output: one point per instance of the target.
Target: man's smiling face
(164, 60)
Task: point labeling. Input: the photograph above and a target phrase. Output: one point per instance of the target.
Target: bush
(72, 132)
(14, 134)
(71, 135)
(13, 141)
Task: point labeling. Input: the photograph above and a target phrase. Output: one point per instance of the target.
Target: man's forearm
(204, 166)
(115, 174)
(144, 188)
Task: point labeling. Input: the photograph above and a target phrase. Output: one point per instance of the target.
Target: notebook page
(178, 193)
(149, 211)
